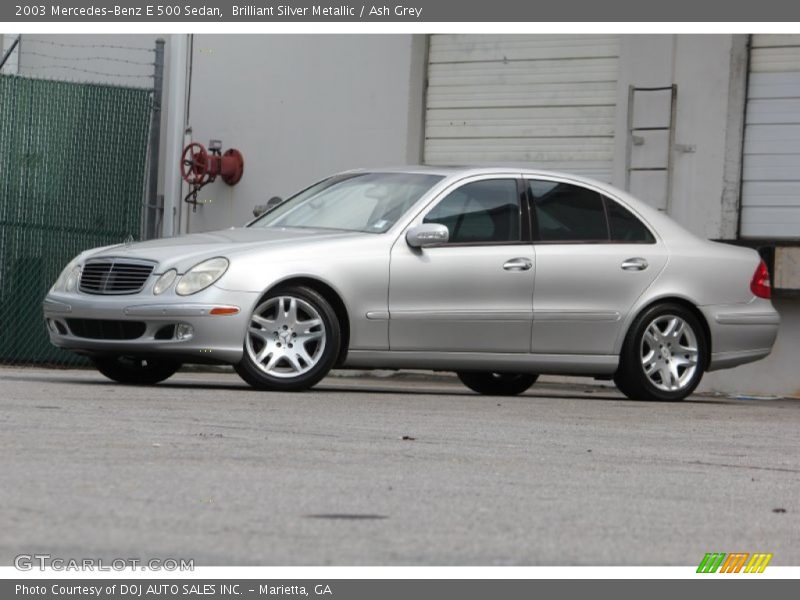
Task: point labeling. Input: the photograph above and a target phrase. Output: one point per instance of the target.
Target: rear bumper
(214, 338)
(741, 333)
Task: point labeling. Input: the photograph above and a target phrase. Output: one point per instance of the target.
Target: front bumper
(215, 338)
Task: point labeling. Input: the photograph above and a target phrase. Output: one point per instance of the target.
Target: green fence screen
(72, 177)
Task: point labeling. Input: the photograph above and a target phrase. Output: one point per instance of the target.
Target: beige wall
(710, 74)
(301, 107)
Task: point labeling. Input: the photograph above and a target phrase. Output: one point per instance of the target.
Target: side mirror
(427, 234)
(271, 203)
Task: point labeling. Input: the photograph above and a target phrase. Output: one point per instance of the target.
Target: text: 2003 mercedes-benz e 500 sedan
(497, 274)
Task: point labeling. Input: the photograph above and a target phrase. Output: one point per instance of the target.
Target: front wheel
(664, 355)
(497, 384)
(134, 370)
(292, 341)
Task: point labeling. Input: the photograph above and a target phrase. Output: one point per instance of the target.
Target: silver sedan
(497, 274)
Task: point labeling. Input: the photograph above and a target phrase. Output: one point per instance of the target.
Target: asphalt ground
(389, 471)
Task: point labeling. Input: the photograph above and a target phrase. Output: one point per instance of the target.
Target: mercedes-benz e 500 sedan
(497, 274)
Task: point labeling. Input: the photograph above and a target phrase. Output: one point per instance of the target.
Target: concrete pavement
(389, 471)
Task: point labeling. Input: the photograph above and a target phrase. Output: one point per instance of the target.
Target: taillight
(760, 284)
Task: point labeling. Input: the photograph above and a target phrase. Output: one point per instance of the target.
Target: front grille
(105, 329)
(114, 276)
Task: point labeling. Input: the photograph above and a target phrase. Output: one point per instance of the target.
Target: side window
(485, 211)
(568, 213)
(625, 227)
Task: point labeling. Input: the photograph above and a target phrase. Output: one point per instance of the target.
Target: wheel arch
(685, 303)
(333, 298)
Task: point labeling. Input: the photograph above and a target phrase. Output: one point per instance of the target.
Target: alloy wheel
(669, 353)
(286, 337)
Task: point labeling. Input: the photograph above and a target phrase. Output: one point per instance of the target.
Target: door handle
(634, 264)
(517, 264)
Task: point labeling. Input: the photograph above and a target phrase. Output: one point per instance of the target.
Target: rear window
(568, 213)
(625, 227)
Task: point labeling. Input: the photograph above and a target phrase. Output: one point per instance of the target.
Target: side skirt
(563, 364)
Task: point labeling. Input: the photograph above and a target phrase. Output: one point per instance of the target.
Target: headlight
(199, 277)
(163, 282)
(68, 280)
(72, 280)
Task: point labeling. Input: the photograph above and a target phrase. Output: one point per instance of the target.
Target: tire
(497, 384)
(134, 370)
(669, 342)
(283, 351)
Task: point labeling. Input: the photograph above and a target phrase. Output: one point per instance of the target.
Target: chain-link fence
(72, 177)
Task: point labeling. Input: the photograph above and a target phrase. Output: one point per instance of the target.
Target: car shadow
(533, 394)
(364, 389)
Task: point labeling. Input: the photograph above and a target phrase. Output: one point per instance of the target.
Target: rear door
(594, 258)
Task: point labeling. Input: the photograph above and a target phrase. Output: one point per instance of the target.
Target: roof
(656, 218)
(455, 170)
(467, 170)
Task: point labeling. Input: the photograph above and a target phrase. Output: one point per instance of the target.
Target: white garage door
(771, 164)
(535, 100)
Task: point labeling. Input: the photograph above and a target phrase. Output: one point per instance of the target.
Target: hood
(193, 248)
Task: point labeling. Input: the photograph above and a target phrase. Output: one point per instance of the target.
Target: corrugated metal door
(542, 101)
(771, 164)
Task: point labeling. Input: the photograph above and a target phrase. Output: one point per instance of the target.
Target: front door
(474, 293)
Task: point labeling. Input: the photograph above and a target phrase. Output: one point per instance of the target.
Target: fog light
(183, 332)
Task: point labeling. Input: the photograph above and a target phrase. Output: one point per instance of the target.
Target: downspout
(177, 64)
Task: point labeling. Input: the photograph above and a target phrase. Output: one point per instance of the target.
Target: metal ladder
(636, 136)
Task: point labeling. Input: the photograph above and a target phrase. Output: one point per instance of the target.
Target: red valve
(231, 166)
(201, 166)
(194, 164)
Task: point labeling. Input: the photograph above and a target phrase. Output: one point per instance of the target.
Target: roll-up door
(536, 100)
(771, 163)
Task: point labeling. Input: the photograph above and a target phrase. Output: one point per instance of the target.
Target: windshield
(368, 202)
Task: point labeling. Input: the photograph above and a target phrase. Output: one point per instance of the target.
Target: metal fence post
(154, 206)
(9, 51)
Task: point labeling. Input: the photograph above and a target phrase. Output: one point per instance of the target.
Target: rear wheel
(664, 355)
(497, 384)
(292, 341)
(135, 370)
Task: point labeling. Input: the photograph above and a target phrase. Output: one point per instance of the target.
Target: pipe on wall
(177, 75)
